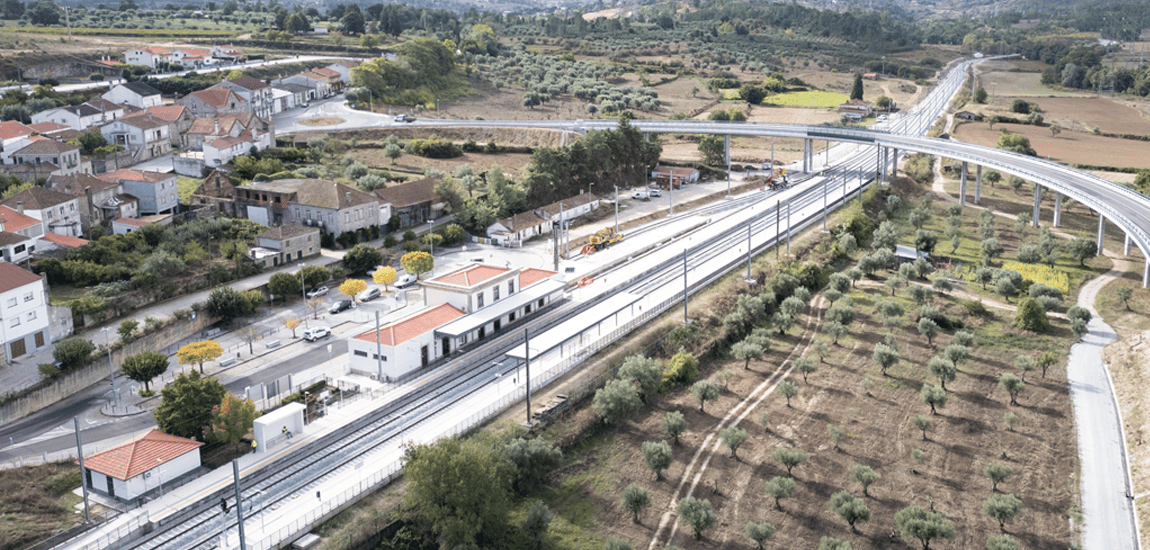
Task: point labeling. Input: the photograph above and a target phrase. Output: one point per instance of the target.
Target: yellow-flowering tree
(384, 276)
(417, 262)
(292, 323)
(198, 352)
(351, 287)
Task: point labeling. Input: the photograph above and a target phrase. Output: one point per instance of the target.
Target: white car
(315, 333)
(655, 193)
(640, 195)
(368, 295)
(318, 291)
(405, 280)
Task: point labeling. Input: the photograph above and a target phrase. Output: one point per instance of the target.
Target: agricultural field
(1067, 147)
(1009, 78)
(1112, 116)
(814, 98)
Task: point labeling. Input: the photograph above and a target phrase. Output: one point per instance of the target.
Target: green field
(814, 98)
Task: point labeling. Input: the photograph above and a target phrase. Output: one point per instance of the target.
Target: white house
(78, 117)
(58, 212)
(136, 94)
(141, 134)
(142, 465)
(343, 67)
(523, 226)
(493, 297)
(255, 91)
(147, 57)
(228, 53)
(48, 151)
(221, 150)
(405, 345)
(11, 134)
(192, 58)
(23, 310)
(319, 84)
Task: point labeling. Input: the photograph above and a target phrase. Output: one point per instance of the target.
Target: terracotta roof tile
(248, 83)
(409, 193)
(48, 127)
(37, 198)
(47, 146)
(14, 221)
(217, 97)
(410, 327)
(135, 175)
(140, 455)
(170, 113)
(316, 192)
(135, 222)
(64, 240)
(471, 275)
(76, 183)
(13, 277)
(532, 275)
(287, 231)
(12, 129)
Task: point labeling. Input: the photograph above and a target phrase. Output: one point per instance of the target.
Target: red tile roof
(217, 97)
(228, 141)
(195, 52)
(134, 175)
(471, 275)
(13, 277)
(64, 240)
(12, 129)
(48, 127)
(421, 323)
(532, 275)
(155, 50)
(324, 71)
(14, 221)
(136, 222)
(138, 456)
(170, 113)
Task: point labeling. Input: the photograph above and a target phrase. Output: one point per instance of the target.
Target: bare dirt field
(1068, 147)
(1085, 114)
(1019, 79)
(513, 164)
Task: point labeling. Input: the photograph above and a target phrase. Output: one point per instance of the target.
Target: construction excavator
(604, 238)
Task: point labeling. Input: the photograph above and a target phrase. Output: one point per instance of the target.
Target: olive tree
(780, 487)
(697, 513)
(865, 475)
(657, 456)
(674, 424)
(850, 508)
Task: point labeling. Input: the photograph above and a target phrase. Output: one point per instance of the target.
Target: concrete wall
(97, 371)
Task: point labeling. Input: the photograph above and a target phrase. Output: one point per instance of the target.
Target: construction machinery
(602, 239)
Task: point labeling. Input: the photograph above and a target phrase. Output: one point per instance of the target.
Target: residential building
(28, 172)
(148, 57)
(66, 157)
(224, 125)
(516, 229)
(23, 311)
(12, 133)
(319, 84)
(137, 94)
(332, 77)
(966, 115)
(414, 202)
(228, 53)
(140, 466)
(178, 117)
(192, 58)
(283, 100)
(124, 226)
(256, 92)
(156, 191)
(674, 175)
(404, 345)
(142, 135)
(331, 206)
(218, 193)
(221, 150)
(344, 67)
(856, 108)
(300, 93)
(285, 244)
(97, 200)
(52, 130)
(58, 212)
(78, 117)
(214, 102)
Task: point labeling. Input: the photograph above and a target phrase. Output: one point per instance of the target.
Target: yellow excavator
(604, 238)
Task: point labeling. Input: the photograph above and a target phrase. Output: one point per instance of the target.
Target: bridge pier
(646, 136)
(807, 155)
(962, 186)
(1037, 203)
(1146, 273)
(978, 184)
(894, 164)
(727, 151)
(1101, 232)
(1126, 246)
(1057, 209)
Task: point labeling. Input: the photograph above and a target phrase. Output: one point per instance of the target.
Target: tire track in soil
(732, 418)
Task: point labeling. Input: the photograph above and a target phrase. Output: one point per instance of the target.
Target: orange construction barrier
(585, 281)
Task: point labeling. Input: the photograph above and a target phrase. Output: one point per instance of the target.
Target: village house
(331, 206)
(24, 311)
(213, 102)
(256, 92)
(137, 94)
(414, 202)
(156, 191)
(142, 135)
(285, 244)
(58, 212)
(150, 57)
(98, 201)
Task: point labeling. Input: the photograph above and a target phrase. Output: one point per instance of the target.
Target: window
(494, 294)
(28, 297)
(510, 287)
(31, 315)
(11, 302)
(15, 322)
(19, 248)
(360, 353)
(479, 300)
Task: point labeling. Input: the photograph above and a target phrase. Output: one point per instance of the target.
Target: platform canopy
(471, 323)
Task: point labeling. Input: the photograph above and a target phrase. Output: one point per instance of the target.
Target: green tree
(362, 258)
(231, 419)
(712, 149)
(534, 459)
(1013, 385)
(703, 391)
(1016, 143)
(393, 151)
(674, 424)
(657, 457)
(1002, 508)
(11, 9)
(186, 405)
(850, 508)
(956, 353)
(857, 87)
(681, 369)
(991, 249)
(1031, 316)
(313, 275)
(835, 330)
(126, 330)
(733, 437)
(1001, 542)
(537, 521)
(997, 473)
(745, 351)
(1011, 420)
(353, 22)
(928, 328)
(759, 532)
(73, 352)
(780, 488)
(916, 523)
(644, 372)
(417, 262)
(806, 366)
(697, 513)
(885, 356)
(635, 500)
(460, 488)
(1047, 360)
(143, 367)
(790, 458)
(943, 369)
(980, 95)
(788, 389)
(865, 475)
(1082, 249)
(1124, 294)
(831, 543)
(617, 401)
(284, 285)
(921, 422)
(933, 395)
(226, 304)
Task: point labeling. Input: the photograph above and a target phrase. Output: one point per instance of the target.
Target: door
(446, 346)
(482, 332)
(498, 323)
(39, 339)
(111, 487)
(423, 356)
(18, 348)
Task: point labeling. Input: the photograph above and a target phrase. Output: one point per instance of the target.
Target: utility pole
(748, 250)
(378, 349)
(685, 321)
(83, 477)
(616, 210)
(527, 366)
(239, 507)
(778, 226)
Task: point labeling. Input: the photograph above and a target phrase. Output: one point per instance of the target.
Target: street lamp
(303, 292)
(108, 344)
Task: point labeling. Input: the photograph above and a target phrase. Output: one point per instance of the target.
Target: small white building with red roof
(148, 57)
(141, 465)
(402, 346)
(24, 319)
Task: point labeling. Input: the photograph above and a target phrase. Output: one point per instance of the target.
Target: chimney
(217, 132)
(91, 207)
(20, 207)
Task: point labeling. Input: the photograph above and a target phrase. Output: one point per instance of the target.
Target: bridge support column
(962, 186)
(1126, 246)
(1057, 209)
(978, 184)
(884, 154)
(1037, 204)
(727, 151)
(1146, 272)
(646, 137)
(894, 164)
(1101, 232)
(807, 147)
(878, 164)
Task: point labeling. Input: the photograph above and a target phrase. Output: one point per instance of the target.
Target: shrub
(683, 368)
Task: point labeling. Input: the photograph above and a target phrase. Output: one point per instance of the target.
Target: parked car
(321, 290)
(641, 195)
(405, 280)
(404, 118)
(315, 333)
(368, 295)
(339, 306)
(655, 193)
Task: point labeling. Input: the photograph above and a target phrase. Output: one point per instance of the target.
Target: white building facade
(23, 311)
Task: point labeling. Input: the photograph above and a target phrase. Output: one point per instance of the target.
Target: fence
(97, 518)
